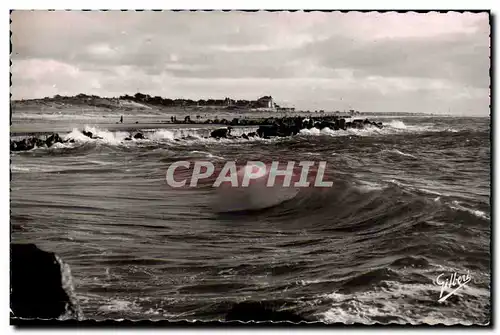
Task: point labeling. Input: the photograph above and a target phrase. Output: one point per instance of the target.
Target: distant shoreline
(85, 103)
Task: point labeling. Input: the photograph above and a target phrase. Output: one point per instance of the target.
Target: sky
(372, 62)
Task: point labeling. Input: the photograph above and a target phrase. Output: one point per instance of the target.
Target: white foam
(368, 186)
(366, 307)
(36, 168)
(312, 131)
(396, 151)
(327, 131)
(366, 131)
(162, 134)
(117, 305)
(480, 214)
(61, 145)
(400, 126)
(425, 190)
(107, 136)
(396, 124)
(76, 135)
(206, 154)
(99, 135)
(16, 168)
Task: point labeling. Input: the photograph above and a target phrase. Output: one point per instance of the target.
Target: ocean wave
(35, 168)
(396, 124)
(205, 154)
(19, 169)
(398, 152)
(383, 304)
(156, 135)
(415, 188)
(162, 134)
(100, 135)
(118, 305)
(456, 205)
(367, 131)
(390, 128)
(400, 126)
(368, 186)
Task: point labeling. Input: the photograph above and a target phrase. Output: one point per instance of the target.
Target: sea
(408, 208)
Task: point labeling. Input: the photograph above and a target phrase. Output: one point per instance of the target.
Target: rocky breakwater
(267, 128)
(29, 143)
(289, 126)
(32, 142)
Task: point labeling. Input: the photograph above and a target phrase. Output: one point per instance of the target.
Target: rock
(342, 124)
(139, 136)
(286, 130)
(261, 311)
(128, 139)
(16, 146)
(23, 145)
(40, 285)
(221, 133)
(267, 131)
(52, 139)
(245, 136)
(40, 143)
(358, 124)
(325, 124)
(88, 133)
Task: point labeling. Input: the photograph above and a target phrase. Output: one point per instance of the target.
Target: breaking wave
(398, 152)
(390, 128)
(458, 206)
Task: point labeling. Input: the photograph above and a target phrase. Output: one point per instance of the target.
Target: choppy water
(409, 202)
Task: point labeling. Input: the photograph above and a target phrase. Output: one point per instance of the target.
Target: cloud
(369, 61)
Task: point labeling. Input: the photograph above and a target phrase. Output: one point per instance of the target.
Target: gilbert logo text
(451, 283)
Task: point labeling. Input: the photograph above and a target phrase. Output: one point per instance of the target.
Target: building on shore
(265, 102)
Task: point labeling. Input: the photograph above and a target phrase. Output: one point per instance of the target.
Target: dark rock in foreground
(221, 133)
(87, 133)
(139, 136)
(32, 142)
(40, 285)
(52, 139)
(261, 311)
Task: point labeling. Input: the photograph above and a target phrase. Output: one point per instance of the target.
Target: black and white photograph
(251, 167)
